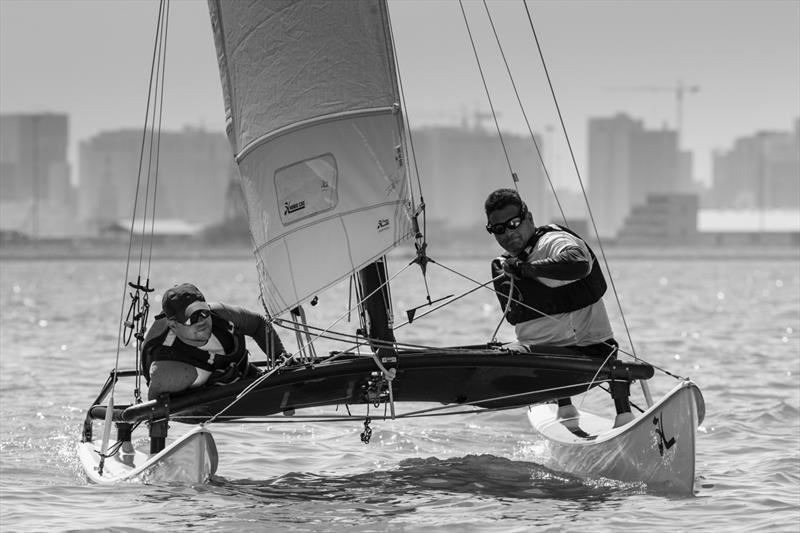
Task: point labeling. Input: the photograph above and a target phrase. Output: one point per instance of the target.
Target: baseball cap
(181, 301)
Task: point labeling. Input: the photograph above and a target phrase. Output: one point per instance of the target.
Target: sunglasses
(511, 223)
(196, 317)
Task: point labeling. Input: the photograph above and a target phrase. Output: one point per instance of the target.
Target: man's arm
(253, 325)
(570, 261)
(170, 376)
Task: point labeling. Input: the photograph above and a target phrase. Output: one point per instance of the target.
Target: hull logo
(383, 224)
(663, 442)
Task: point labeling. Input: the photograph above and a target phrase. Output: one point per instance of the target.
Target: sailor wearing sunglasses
(193, 343)
(557, 282)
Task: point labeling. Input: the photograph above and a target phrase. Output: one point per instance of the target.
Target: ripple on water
(470, 473)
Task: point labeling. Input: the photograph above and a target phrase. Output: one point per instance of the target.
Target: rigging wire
(151, 122)
(645, 388)
(328, 334)
(158, 145)
(464, 294)
(514, 177)
(263, 377)
(420, 237)
(527, 122)
(486, 284)
(324, 333)
(154, 153)
(159, 94)
(525, 115)
(357, 344)
(163, 8)
(408, 132)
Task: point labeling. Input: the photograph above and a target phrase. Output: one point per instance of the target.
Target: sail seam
(316, 121)
(349, 246)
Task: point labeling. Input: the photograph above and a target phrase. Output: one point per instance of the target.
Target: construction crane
(679, 89)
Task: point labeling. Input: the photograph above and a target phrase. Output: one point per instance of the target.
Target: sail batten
(314, 121)
(310, 123)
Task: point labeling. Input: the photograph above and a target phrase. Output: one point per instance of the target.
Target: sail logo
(293, 207)
(383, 224)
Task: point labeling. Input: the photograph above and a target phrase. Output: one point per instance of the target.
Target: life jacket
(161, 344)
(543, 299)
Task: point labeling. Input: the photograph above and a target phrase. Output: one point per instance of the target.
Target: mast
(376, 306)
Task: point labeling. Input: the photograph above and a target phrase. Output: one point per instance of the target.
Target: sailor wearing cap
(194, 343)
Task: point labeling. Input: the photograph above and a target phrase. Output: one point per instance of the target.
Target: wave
(430, 478)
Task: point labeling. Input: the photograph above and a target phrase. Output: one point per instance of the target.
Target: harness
(543, 299)
(161, 344)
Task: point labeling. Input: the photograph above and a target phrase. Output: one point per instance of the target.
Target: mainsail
(313, 116)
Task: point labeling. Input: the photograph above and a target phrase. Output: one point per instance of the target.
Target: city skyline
(639, 174)
(604, 57)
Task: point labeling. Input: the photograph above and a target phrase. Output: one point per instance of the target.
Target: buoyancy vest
(161, 344)
(546, 300)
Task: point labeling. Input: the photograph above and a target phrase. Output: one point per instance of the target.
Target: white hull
(190, 459)
(657, 447)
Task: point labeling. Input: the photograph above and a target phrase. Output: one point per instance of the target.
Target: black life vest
(548, 300)
(161, 344)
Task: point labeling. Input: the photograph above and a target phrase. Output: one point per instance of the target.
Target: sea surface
(732, 325)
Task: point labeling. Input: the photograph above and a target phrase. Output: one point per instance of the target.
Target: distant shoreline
(68, 250)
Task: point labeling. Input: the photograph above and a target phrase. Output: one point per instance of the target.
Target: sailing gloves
(517, 268)
(569, 264)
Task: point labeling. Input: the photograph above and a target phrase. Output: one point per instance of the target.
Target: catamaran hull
(473, 377)
(657, 447)
(190, 459)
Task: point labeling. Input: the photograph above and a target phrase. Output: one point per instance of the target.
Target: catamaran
(315, 117)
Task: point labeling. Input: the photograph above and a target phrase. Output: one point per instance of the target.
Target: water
(731, 325)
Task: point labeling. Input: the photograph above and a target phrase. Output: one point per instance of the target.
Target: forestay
(313, 116)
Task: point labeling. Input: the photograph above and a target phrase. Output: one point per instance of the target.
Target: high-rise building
(194, 168)
(662, 219)
(459, 167)
(610, 170)
(761, 171)
(627, 164)
(35, 188)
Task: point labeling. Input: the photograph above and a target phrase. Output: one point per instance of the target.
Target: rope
(467, 293)
(507, 307)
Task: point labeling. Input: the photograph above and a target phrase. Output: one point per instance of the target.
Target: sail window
(306, 188)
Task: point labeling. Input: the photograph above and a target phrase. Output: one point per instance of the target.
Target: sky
(91, 58)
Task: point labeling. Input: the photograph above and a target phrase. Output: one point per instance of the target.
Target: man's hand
(570, 264)
(516, 268)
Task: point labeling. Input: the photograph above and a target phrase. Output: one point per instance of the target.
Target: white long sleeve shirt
(589, 325)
